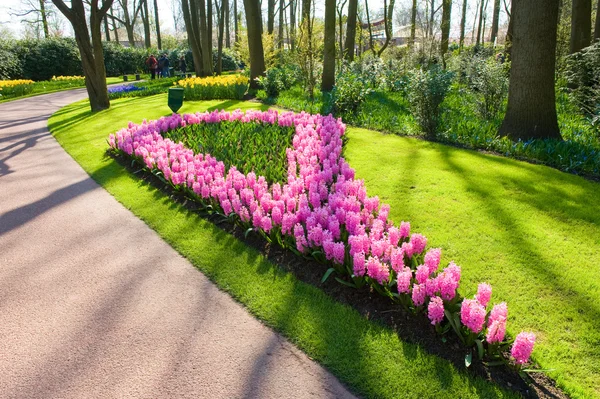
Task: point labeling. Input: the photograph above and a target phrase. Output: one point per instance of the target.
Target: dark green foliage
(259, 147)
(583, 76)
(426, 91)
(349, 92)
(489, 80)
(9, 63)
(230, 60)
(281, 78)
(43, 59)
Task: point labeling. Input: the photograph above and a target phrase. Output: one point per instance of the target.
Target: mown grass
(369, 358)
(531, 231)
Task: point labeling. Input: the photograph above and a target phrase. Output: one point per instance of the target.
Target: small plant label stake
(175, 99)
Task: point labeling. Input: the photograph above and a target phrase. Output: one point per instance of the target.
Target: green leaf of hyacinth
(339, 280)
(494, 363)
(537, 370)
(327, 274)
(248, 232)
(468, 359)
(479, 348)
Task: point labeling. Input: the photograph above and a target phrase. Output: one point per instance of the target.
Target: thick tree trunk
(205, 38)
(351, 30)
(446, 10)
(463, 21)
(305, 10)
(156, 21)
(531, 111)
(257, 56)
(495, 21)
(270, 16)
(146, 23)
(413, 23)
(328, 78)
(581, 25)
(280, 27)
(597, 24)
(190, 17)
(431, 17)
(92, 57)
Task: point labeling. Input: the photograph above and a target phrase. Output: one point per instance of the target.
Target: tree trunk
(531, 111)
(190, 17)
(351, 30)
(209, 28)
(235, 22)
(92, 57)
(227, 31)
(280, 31)
(431, 17)
(481, 8)
(115, 28)
(270, 16)
(495, 21)
(371, 45)
(328, 78)
(44, 18)
(463, 20)
(220, 39)
(597, 24)
(387, 20)
(158, 38)
(146, 23)
(581, 25)
(305, 10)
(106, 28)
(205, 38)
(293, 25)
(446, 10)
(413, 23)
(257, 56)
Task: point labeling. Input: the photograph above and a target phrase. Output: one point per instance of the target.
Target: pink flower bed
(323, 210)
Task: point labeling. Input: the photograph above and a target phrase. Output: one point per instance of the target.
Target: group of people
(160, 67)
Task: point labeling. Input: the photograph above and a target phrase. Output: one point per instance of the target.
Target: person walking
(182, 65)
(152, 64)
(165, 66)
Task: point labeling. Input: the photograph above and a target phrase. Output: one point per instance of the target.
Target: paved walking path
(93, 303)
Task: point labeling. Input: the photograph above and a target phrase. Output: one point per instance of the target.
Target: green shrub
(489, 79)
(426, 91)
(272, 82)
(582, 72)
(10, 67)
(42, 59)
(349, 92)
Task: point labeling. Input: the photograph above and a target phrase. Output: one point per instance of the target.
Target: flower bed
(324, 212)
(77, 80)
(123, 91)
(215, 88)
(15, 88)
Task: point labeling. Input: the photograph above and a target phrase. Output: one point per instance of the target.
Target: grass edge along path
(366, 356)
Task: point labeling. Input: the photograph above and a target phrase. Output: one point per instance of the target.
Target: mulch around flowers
(410, 328)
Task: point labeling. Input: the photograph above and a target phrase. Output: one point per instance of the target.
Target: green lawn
(370, 359)
(531, 231)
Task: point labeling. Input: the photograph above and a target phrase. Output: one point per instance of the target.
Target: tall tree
(483, 5)
(495, 21)
(446, 11)
(114, 24)
(36, 8)
(90, 48)
(236, 31)
(597, 24)
(128, 19)
(531, 111)
(293, 24)
(227, 32)
(413, 23)
(581, 25)
(146, 22)
(328, 78)
(280, 27)
(255, 47)
(351, 30)
(463, 21)
(192, 26)
(388, 12)
(371, 44)
(156, 21)
(270, 16)
(340, 13)
(106, 28)
(221, 17)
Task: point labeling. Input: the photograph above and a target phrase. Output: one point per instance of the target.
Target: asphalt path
(94, 304)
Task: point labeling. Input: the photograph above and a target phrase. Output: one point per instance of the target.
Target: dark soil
(410, 328)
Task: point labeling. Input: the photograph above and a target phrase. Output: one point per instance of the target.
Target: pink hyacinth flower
(523, 346)
(435, 310)
(418, 294)
(484, 293)
(472, 315)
